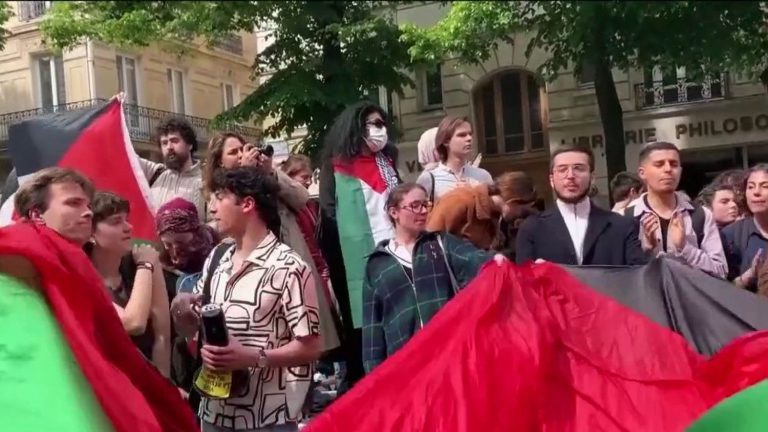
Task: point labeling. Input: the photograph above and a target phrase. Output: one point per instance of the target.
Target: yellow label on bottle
(212, 384)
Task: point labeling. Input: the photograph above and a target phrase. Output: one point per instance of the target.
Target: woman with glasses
(454, 146)
(410, 277)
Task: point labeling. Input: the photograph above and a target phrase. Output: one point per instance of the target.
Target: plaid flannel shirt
(393, 308)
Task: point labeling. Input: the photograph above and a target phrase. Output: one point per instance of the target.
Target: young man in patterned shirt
(270, 303)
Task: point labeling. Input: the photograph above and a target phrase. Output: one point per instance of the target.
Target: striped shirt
(171, 184)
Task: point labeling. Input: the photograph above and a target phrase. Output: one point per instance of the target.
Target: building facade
(198, 85)
(719, 123)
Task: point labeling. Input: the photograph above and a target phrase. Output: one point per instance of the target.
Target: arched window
(510, 114)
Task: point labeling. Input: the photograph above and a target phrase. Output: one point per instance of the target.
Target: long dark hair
(346, 136)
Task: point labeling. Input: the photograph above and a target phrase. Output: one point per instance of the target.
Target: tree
(324, 55)
(6, 12)
(703, 37)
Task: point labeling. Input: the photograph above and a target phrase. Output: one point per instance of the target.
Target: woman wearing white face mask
(356, 176)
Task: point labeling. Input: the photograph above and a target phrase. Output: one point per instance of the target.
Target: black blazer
(611, 239)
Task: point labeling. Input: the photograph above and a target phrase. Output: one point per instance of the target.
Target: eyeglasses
(578, 169)
(417, 206)
(377, 123)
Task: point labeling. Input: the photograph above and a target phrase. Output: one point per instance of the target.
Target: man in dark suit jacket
(576, 231)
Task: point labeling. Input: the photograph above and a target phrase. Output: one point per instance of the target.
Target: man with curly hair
(180, 174)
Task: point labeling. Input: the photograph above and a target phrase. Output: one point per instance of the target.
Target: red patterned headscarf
(180, 216)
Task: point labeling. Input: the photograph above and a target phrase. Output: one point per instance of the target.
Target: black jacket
(610, 239)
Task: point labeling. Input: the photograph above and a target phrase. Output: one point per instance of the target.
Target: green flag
(41, 386)
(743, 412)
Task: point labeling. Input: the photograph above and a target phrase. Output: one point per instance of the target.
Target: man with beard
(669, 224)
(179, 175)
(576, 231)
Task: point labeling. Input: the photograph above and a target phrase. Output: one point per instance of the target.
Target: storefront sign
(681, 130)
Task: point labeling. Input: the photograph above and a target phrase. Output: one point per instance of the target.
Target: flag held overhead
(94, 141)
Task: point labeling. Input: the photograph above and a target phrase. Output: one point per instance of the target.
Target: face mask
(377, 138)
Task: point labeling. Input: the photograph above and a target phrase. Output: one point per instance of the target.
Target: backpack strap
(454, 282)
(432, 190)
(156, 175)
(698, 217)
(218, 253)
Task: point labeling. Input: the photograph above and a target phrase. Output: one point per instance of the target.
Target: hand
(145, 253)
(184, 394)
(250, 156)
(748, 277)
(184, 313)
(649, 223)
(234, 356)
(539, 261)
(265, 163)
(500, 259)
(120, 96)
(676, 234)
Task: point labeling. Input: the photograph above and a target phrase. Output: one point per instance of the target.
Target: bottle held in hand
(218, 384)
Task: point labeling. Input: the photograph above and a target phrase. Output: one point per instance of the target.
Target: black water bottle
(212, 384)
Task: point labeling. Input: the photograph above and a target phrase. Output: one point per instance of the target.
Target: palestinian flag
(93, 141)
(66, 362)
(742, 412)
(361, 196)
(531, 348)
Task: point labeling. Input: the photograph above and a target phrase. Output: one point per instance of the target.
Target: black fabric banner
(708, 312)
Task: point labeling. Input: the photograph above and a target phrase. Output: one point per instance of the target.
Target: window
(587, 75)
(29, 10)
(676, 86)
(176, 89)
(128, 83)
(381, 97)
(509, 114)
(228, 95)
(51, 79)
(432, 88)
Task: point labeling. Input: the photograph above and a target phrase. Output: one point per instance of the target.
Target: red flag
(93, 141)
(529, 349)
(132, 393)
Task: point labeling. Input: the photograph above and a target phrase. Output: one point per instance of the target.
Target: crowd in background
(338, 284)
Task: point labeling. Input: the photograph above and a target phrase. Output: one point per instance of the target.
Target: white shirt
(576, 217)
(445, 179)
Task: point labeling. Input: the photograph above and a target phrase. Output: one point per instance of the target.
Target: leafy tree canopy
(6, 12)
(704, 37)
(323, 55)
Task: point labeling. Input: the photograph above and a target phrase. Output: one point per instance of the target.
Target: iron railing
(29, 10)
(232, 44)
(657, 93)
(141, 122)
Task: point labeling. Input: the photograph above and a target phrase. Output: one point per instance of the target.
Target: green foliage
(6, 12)
(323, 54)
(702, 36)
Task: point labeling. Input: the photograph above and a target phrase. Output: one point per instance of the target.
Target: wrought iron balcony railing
(29, 10)
(141, 122)
(658, 93)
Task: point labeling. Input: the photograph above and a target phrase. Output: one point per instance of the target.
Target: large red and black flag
(536, 350)
(94, 141)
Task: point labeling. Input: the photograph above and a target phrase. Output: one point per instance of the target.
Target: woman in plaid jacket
(411, 276)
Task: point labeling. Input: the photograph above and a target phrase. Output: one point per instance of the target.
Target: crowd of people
(341, 283)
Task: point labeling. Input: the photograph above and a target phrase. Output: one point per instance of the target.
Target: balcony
(232, 44)
(29, 10)
(662, 92)
(141, 122)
